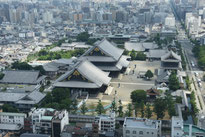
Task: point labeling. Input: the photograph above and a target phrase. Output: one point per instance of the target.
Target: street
(192, 67)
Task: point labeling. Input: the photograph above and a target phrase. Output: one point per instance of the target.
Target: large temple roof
(92, 76)
(171, 57)
(109, 49)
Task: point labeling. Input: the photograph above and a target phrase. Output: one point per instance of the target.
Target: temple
(171, 61)
(107, 56)
(84, 77)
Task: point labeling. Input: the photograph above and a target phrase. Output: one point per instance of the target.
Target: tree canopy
(25, 66)
(138, 96)
(159, 108)
(149, 74)
(9, 108)
(83, 37)
(120, 109)
(100, 109)
(140, 56)
(199, 52)
(84, 108)
(58, 99)
(173, 81)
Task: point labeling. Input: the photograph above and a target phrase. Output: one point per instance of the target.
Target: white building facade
(12, 118)
(177, 127)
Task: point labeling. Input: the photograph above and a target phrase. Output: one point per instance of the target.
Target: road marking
(126, 83)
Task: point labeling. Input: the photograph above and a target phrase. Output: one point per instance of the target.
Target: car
(199, 80)
(196, 74)
(200, 85)
(192, 63)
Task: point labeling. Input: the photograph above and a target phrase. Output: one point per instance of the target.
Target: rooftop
(20, 76)
(10, 127)
(140, 123)
(12, 114)
(33, 135)
(92, 76)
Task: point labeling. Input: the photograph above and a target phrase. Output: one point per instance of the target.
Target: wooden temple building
(83, 77)
(107, 56)
(171, 61)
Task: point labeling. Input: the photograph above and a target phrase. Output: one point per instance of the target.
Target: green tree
(140, 56)
(60, 94)
(149, 74)
(148, 111)
(74, 106)
(136, 108)
(58, 99)
(83, 37)
(138, 96)
(42, 88)
(65, 104)
(48, 82)
(173, 81)
(126, 52)
(179, 99)
(91, 41)
(42, 53)
(1, 76)
(100, 109)
(9, 108)
(142, 109)
(120, 109)
(170, 106)
(129, 110)
(159, 108)
(41, 69)
(84, 109)
(21, 66)
(114, 106)
(133, 55)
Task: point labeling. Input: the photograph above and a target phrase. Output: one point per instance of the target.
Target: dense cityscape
(102, 68)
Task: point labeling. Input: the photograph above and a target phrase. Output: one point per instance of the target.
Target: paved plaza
(125, 84)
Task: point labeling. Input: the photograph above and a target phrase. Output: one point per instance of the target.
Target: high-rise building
(13, 17)
(60, 119)
(47, 17)
(170, 21)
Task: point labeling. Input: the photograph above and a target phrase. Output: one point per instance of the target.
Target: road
(192, 65)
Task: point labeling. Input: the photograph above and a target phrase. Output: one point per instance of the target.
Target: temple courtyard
(129, 81)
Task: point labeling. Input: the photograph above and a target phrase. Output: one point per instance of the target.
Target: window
(134, 132)
(127, 131)
(141, 132)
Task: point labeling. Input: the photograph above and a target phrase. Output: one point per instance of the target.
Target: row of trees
(173, 81)
(160, 104)
(48, 55)
(25, 66)
(194, 110)
(199, 52)
(159, 41)
(181, 54)
(85, 37)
